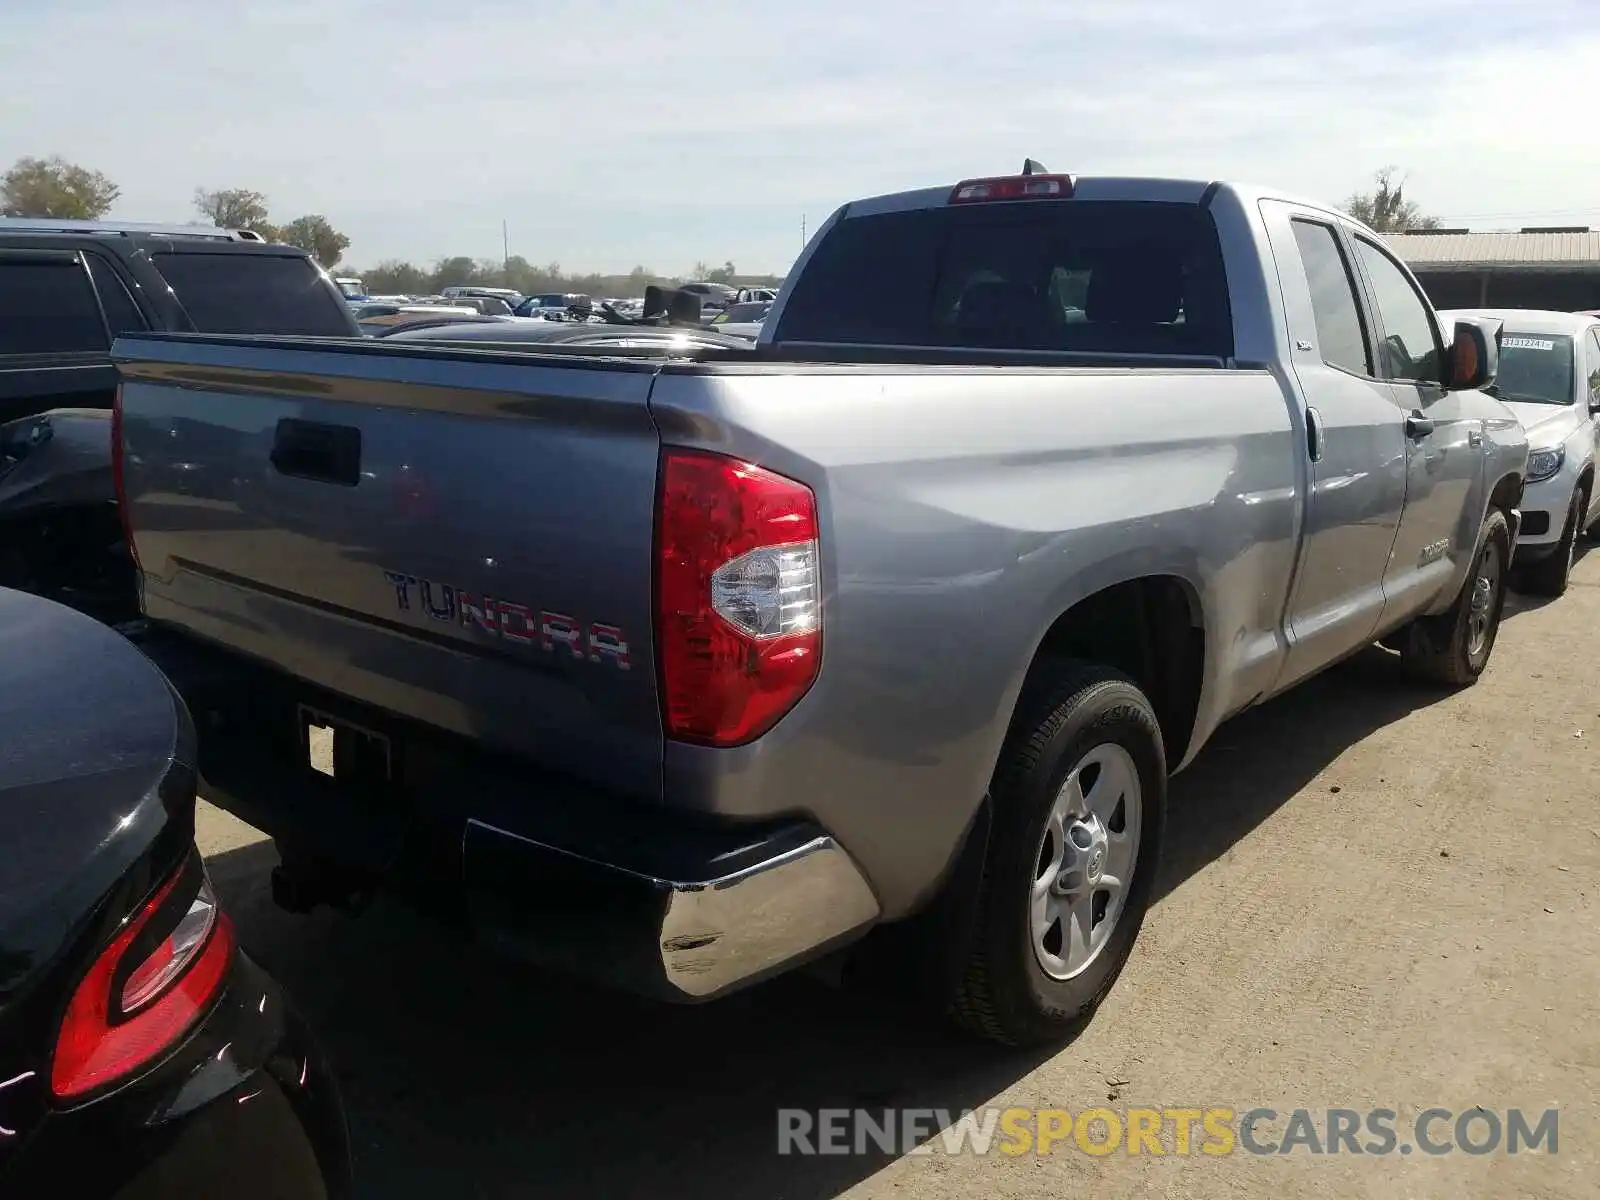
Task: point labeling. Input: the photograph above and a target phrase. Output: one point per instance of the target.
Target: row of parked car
(686, 596)
(734, 311)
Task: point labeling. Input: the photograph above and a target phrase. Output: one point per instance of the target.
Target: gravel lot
(1374, 896)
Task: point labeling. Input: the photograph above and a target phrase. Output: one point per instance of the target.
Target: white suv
(1550, 378)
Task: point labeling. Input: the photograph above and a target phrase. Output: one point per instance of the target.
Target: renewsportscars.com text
(1178, 1131)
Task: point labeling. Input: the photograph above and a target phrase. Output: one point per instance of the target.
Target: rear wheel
(1079, 808)
(1454, 647)
(1550, 575)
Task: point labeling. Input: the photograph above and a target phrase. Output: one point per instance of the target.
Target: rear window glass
(254, 293)
(48, 307)
(1115, 277)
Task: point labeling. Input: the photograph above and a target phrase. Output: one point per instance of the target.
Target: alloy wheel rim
(1085, 862)
(1484, 582)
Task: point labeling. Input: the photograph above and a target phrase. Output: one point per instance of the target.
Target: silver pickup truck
(874, 643)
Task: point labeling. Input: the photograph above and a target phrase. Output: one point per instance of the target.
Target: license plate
(343, 750)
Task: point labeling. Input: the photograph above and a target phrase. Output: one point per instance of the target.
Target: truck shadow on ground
(465, 1076)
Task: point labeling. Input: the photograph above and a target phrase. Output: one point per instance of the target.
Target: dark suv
(67, 290)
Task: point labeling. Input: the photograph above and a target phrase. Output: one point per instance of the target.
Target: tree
(53, 187)
(455, 272)
(1387, 210)
(396, 278)
(313, 233)
(723, 274)
(234, 208)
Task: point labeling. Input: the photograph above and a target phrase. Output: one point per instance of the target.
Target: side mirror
(683, 309)
(1474, 358)
(656, 300)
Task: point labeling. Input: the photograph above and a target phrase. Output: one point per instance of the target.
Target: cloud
(637, 132)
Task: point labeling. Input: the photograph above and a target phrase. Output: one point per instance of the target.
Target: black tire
(1550, 575)
(1004, 994)
(1441, 649)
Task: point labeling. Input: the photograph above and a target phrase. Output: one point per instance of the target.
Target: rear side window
(254, 293)
(48, 307)
(122, 314)
(1340, 337)
(1116, 277)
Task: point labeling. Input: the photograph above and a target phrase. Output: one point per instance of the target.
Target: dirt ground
(1374, 896)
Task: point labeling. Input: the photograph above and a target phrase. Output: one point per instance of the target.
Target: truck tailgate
(475, 554)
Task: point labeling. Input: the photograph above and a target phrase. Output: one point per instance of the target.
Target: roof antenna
(1032, 166)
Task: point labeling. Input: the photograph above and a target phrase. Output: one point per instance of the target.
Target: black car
(142, 1053)
(68, 289)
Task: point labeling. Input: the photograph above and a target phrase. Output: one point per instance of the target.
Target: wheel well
(1507, 494)
(1586, 480)
(1151, 630)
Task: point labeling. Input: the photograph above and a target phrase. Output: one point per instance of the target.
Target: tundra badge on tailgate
(509, 621)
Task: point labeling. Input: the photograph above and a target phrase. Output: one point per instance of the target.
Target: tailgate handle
(313, 450)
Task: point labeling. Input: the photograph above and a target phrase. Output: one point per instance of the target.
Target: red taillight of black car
(158, 976)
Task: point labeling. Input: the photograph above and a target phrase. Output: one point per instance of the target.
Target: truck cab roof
(1095, 187)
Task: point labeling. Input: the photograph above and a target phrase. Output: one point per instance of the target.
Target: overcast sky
(612, 133)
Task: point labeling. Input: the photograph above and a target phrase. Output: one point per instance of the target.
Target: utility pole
(802, 231)
(505, 246)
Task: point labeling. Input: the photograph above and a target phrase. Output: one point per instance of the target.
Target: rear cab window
(48, 306)
(1118, 277)
(254, 293)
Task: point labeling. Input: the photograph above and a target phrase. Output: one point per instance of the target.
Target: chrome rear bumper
(687, 931)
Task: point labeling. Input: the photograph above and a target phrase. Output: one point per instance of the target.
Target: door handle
(1313, 434)
(1474, 438)
(1418, 426)
(319, 452)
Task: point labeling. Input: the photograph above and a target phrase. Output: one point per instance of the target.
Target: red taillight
(118, 483)
(125, 1014)
(1013, 187)
(738, 600)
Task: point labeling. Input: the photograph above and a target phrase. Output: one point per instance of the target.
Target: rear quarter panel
(963, 511)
